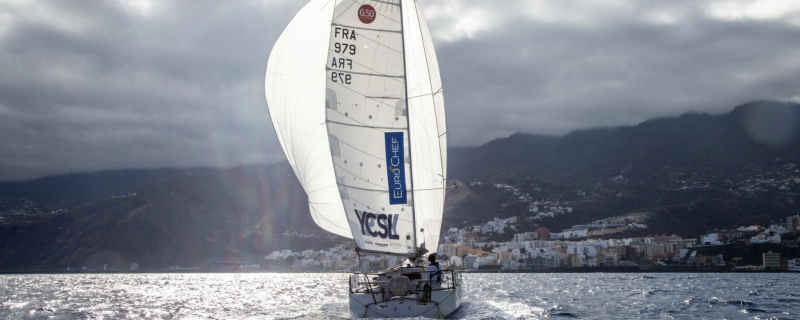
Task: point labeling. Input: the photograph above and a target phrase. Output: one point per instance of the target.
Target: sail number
(341, 77)
(344, 48)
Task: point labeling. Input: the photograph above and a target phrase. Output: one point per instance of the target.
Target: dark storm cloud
(94, 85)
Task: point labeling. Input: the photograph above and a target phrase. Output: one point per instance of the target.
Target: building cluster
(298, 234)
(498, 226)
(752, 234)
(548, 208)
(538, 208)
(783, 180)
(532, 250)
(16, 207)
(463, 248)
(772, 261)
(15, 210)
(604, 227)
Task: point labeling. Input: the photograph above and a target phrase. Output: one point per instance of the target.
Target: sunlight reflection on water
(324, 296)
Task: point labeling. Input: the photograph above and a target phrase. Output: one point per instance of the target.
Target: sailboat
(355, 97)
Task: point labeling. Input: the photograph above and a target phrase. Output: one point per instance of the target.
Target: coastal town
(615, 243)
(532, 235)
(581, 247)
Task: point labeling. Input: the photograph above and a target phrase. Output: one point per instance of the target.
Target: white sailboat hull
(442, 304)
(370, 297)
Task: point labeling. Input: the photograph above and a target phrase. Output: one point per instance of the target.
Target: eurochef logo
(396, 168)
(366, 14)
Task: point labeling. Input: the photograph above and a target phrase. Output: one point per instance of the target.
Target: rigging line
(424, 95)
(431, 189)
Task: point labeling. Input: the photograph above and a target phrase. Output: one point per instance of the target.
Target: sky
(90, 85)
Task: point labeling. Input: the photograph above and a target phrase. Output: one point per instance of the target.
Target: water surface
(324, 296)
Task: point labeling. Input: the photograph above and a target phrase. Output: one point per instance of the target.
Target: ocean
(324, 296)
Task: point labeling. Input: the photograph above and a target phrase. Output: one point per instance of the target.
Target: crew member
(434, 274)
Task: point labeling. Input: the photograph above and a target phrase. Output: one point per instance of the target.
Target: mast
(408, 121)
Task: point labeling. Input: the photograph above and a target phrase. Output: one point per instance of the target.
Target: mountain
(694, 173)
(186, 220)
(757, 132)
(75, 189)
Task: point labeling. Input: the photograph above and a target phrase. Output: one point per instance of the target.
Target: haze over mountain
(189, 217)
(754, 132)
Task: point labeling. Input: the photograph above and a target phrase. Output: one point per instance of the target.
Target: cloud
(95, 85)
(112, 84)
(551, 67)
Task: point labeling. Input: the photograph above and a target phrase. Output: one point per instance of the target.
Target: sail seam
(365, 74)
(362, 28)
(363, 126)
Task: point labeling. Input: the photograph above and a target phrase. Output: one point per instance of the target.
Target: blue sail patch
(396, 168)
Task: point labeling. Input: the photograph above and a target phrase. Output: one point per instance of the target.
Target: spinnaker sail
(295, 90)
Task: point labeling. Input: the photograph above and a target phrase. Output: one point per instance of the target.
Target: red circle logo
(366, 14)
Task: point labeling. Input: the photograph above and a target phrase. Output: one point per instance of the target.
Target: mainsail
(379, 170)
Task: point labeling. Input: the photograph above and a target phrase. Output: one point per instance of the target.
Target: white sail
(428, 129)
(368, 124)
(366, 71)
(295, 90)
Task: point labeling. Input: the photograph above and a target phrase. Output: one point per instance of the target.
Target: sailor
(434, 274)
